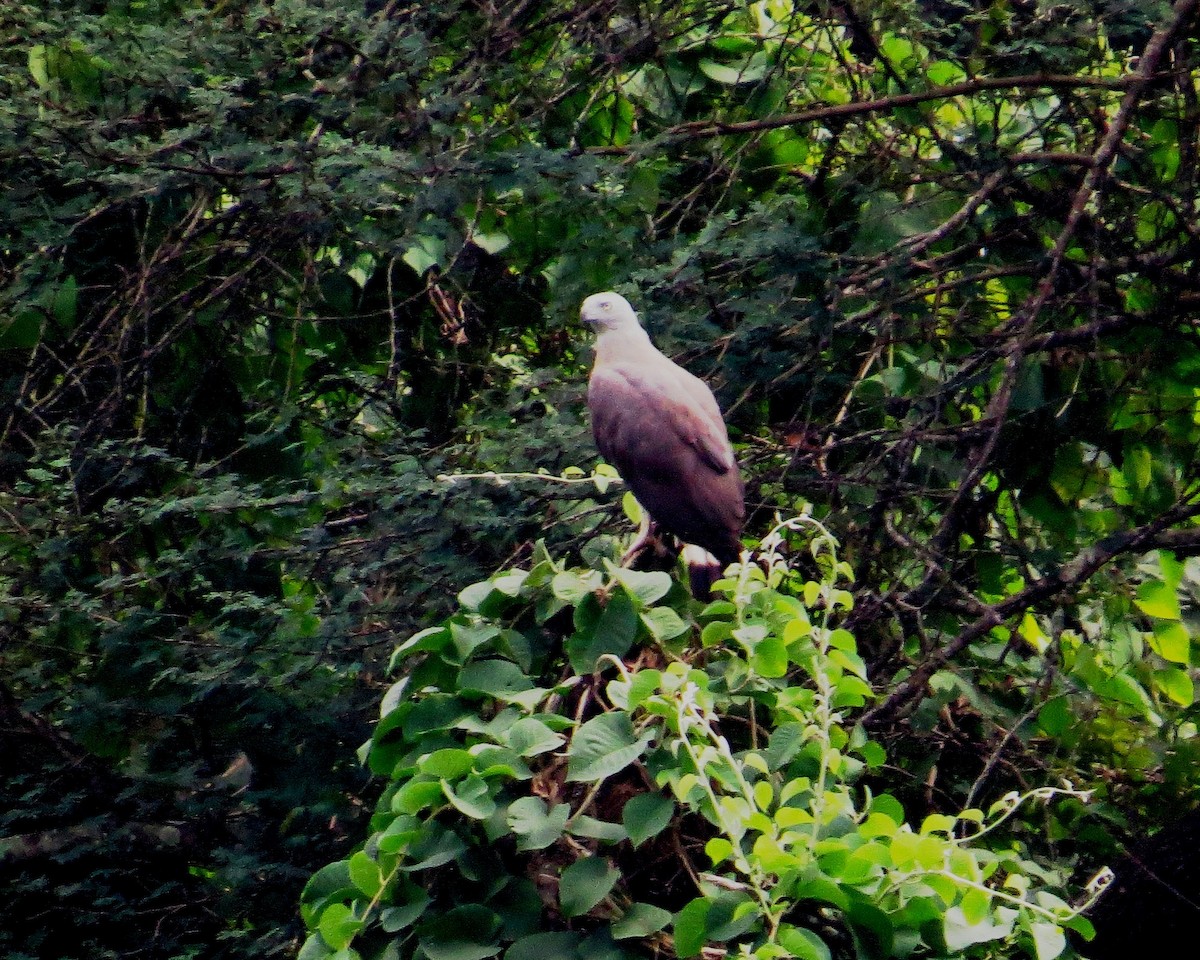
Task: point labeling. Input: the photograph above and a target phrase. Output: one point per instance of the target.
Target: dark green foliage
(269, 271)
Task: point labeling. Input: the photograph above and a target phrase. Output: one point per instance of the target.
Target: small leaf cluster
(583, 762)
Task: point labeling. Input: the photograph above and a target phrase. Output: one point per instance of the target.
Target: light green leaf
(491, 242)
(1048, 940)
(632, 509)
(751, 71)
(1176, 684)
(425, 252)
(803, 944)
(770, 657)
(718, 849)
(644, 683)
(338, 925)
(647, 586)
(1171, 641)
(365, 873)
(573, 587)
(960, 934)
(450, 763)
(1157, 599)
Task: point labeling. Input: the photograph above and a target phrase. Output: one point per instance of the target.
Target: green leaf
(1048, 940)
(594, 829)
(751, 71)
(437, 847)
(545, 946)
(645, 683)
(1125, 689)
(431, 638)
(646, 815)
(395, 919)
(338, 926)
(65, 303)
(426, 252)
(467, 932)
(584, 884)
(731, 915)
(471, 797)
(603, 746)
(22, 330)
(315, 948)
(647, 586)
(494, 678)
(960, 934)
(491, 242)
(450, 763)
(417, 795)
(330, 882)
(1158, 599)
(691, 929)
(365, 873)
(572, 587)
(1176, 683)
(1055, 716)
(770, 658)
(874, 927)
(803, 944)
(536, 826)
(613, 633)
(529, 737)
(1139, 462)
(785, 742)
(640, 920)
(664, 623)
(1171, 641)
(718, 849)
(39, 65)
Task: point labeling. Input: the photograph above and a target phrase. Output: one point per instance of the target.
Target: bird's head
(608, 311)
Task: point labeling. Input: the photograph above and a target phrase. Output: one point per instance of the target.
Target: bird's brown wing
(671, 451)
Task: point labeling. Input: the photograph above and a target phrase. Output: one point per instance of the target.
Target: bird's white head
(608, 311)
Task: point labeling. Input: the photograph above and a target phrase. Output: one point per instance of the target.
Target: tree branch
(1149, 536)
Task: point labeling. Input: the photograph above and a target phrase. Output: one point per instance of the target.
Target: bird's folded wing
(644, 421)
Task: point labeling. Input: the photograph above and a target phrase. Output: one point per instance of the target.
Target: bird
(662, 429)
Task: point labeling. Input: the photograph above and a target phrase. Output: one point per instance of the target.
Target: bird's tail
(703, 570)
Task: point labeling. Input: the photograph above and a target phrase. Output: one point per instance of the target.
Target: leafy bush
(583, 763)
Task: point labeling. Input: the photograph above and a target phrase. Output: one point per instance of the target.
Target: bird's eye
(606, 305)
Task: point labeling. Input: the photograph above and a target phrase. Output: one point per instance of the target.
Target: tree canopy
(287, 336)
